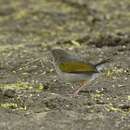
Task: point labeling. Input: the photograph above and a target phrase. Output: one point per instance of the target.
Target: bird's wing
(77, 67)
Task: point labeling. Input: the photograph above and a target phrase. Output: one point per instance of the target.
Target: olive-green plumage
(77, 67)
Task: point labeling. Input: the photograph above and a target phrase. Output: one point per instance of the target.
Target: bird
(71, 68)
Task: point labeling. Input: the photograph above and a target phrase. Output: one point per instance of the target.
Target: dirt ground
(31, 95)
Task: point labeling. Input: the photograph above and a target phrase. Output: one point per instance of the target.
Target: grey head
(60, 56)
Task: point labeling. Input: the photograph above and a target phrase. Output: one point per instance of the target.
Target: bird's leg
(82, 85)
(80, 88)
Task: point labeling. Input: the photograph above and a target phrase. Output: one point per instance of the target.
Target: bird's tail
(101, 65)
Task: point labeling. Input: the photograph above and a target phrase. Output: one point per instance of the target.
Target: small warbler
(70, 68)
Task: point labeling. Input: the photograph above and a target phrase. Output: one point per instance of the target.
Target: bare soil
(31, 96)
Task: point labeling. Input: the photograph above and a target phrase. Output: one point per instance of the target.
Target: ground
(31, 95)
